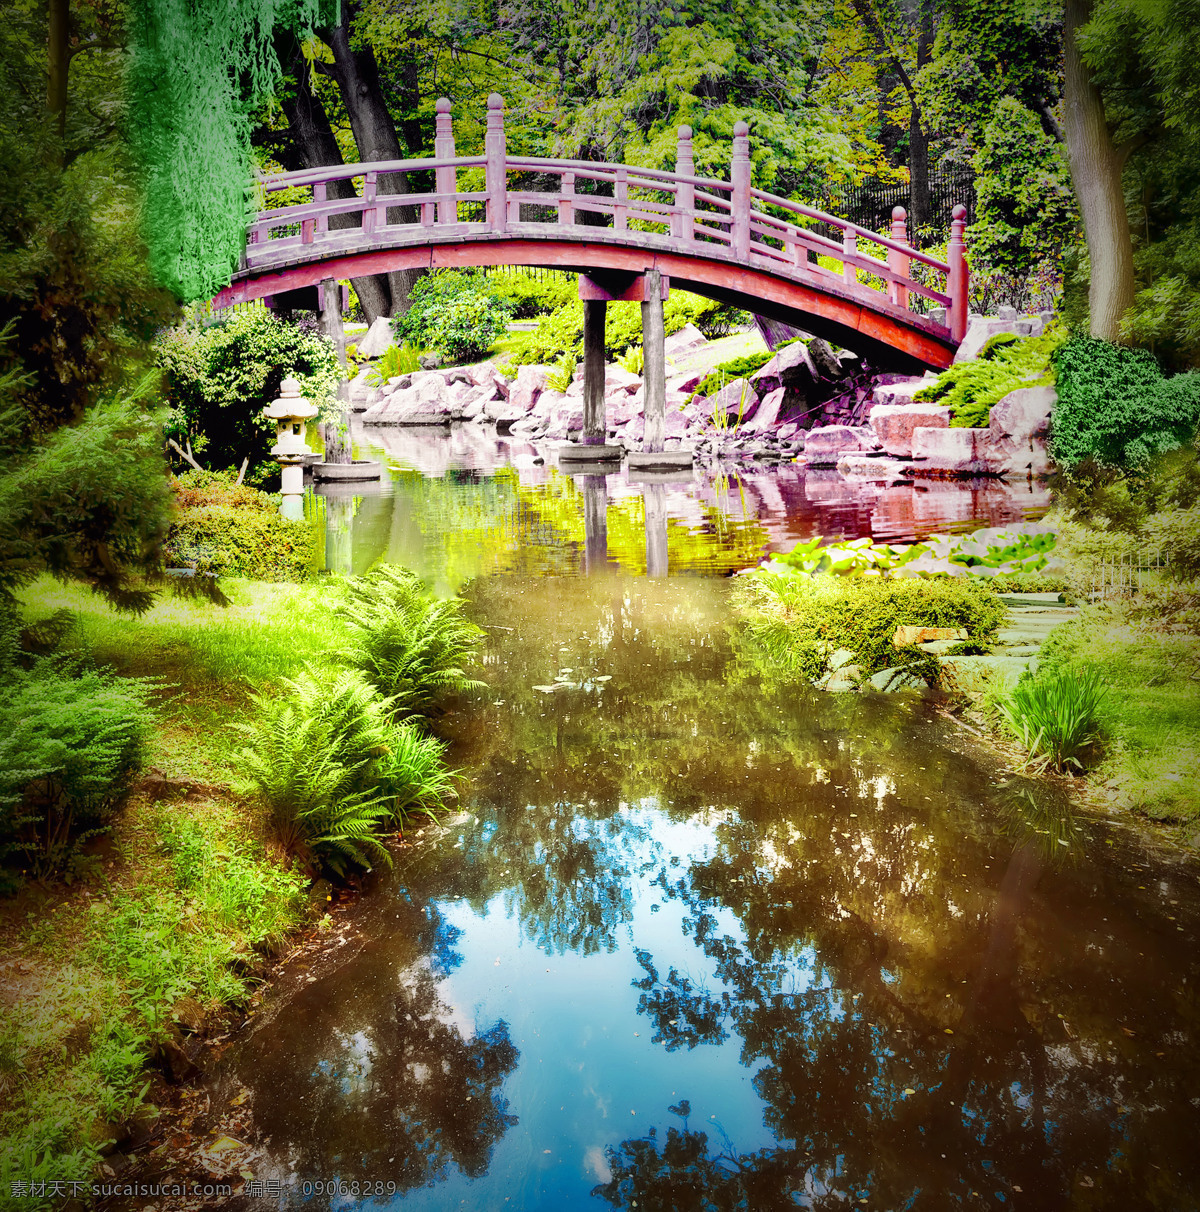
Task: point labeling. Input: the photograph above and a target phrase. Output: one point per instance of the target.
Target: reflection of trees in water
(876, 1082)
(383, 1085)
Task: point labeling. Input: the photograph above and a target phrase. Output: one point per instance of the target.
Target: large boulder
(949, 452)
(689, 337)
(898, 390)
(377, 339)
(791, 367)
(1024, 414)
(893, 424)
(823, 445)
(981, 329)
(767, 412)
(528, 385)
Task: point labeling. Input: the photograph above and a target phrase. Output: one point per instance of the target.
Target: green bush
(232, 529)
(219, 379)
(70, 746)
(1004, 364)
(331, 769)
(410, 645)
(531, 295)
(1116, 408)
(800, 620)
(458, 314)
(735, 368)
(1176, 533)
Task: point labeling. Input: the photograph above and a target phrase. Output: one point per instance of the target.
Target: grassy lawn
(1150, 715)
(165, 919)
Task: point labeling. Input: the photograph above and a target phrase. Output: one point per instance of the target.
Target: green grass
(1150, 716)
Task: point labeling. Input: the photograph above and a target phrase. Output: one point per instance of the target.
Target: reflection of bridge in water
(630, 232)
(468, 503)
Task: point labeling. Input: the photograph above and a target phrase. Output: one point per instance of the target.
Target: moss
(1005, 363)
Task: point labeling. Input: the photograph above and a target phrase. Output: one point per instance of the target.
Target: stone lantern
(290, 413)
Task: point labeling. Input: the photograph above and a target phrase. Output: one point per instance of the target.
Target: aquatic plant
(409, 644)
(1054, 715)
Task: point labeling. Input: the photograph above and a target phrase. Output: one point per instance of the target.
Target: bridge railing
(664, 209)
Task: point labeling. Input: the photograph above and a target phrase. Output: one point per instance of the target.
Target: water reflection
(700, 942)
(461, 503)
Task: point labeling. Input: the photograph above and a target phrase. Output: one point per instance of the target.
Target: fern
(559, 379)
(411, 646)
(396, 360)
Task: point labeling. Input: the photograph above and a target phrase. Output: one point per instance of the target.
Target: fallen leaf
(224, 1144)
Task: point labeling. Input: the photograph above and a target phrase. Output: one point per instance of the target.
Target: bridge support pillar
(654, 367)
(595, 312)
(595, 521)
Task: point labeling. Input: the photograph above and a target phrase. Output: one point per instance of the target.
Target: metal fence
(870, 205)
(1123, 576)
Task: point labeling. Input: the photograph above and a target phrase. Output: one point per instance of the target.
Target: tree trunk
(1096, 175)
(316, 147)
(357, 76)
(920, 204)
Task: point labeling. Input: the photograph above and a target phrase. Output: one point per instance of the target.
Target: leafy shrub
(800, 620)
(534, 295)
(396, 360)
(228, 528)
(219, 379)
(458, 314)
(331, 768)
(735, 368)
(1165, 315)
(1176, 533)
(1025, 208)
(1005, 363)
(70, 746)
(1054, 715)
(1115, 407)
(410, 645)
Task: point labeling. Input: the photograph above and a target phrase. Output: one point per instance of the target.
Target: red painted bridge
(721, 239)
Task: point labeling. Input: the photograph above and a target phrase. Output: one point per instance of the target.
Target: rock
(529, 384)
(617, 378)
(430, 361)
(906, 635)
(377, 339)
(899, 391)
(685, 383)
(982, 328)
(359, 391)
(845, 679)
(973, 675)
(767, 412)
(828, 365)
(189, 1014)
(1023, 414)
(840, 658)
(890, 680)
(172, 1057)
(893, 424)
(824, 444)
(735, 399)
(949, 452)
(865, 465)
(689, 337)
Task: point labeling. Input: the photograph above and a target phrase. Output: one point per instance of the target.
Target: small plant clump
(396, 360)
(1054, 715)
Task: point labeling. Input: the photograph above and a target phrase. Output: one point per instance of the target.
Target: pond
(694, 938)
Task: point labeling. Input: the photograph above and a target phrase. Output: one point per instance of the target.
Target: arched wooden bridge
(722, 239)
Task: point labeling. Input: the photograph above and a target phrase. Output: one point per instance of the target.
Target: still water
(697, 939)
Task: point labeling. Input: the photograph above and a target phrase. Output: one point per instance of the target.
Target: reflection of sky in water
(591, 1072)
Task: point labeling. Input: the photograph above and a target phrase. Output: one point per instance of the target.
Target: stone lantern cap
(290, 404)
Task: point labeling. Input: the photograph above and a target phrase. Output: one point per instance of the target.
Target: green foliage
(410, 645)
(634, 361)
(1004, 364)
(458, 314)
(799, 621)
(220, 378)
(70, 745)
(192, 71)
(736, 368)
(331, 768)
(396, 360)
(1054, 715)
(1115, 407)
(1176, 533)
(1025, 210)
(1165, 315)
(532, 294)
(231, 529)
(560, 378)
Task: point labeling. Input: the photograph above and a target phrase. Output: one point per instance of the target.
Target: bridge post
(445, 179)
(685, 193)
(898, 263)
(495, 173)
(849, 249)
(595, 430)
(566, 202)
(739, 176)
(654, 363)
(958, 285)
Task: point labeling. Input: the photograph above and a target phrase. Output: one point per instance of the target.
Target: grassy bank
(159, 927)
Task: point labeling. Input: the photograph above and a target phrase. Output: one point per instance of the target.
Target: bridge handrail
(699, 210)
